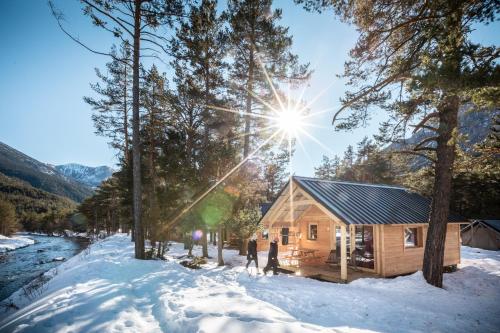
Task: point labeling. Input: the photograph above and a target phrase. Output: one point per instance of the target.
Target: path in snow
(107, 290)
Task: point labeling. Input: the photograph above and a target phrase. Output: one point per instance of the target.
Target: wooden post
(343, 254)
(332, 235)
(352, 245)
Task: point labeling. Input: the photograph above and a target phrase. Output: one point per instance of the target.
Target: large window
(312, 233)
(412, 238)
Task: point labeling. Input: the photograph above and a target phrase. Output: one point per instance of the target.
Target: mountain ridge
(87, 175)
(16, 164)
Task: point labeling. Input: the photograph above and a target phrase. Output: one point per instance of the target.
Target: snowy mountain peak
(90, 176)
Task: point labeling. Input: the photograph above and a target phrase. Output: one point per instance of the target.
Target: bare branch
(110, 16)
(426, 119)
(59, 17)
(421, 144)
(430, 128)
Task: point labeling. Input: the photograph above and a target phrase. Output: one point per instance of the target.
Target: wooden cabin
(339, 231)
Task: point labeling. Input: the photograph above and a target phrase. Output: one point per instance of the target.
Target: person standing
(272, 258)
(252, 252)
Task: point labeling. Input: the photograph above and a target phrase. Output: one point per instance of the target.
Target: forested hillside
(13, 163)
(35, 208)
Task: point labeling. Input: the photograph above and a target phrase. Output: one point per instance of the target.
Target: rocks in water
(40, 250)
(41, 262)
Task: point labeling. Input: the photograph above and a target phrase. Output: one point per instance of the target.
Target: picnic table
(300, 255)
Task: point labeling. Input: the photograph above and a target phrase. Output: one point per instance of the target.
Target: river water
(21, 266)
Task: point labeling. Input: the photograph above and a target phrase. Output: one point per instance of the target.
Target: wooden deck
(326, 272)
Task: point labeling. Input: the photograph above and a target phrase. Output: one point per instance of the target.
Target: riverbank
(14, 242)
(104, 289)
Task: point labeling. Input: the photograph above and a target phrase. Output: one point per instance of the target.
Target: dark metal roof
(357, 203)
(264, 207)
(494, 224)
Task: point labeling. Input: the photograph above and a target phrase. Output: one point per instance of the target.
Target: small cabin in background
(484, 234)
(339, 231)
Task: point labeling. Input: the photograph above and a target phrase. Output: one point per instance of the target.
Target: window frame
(309, 231)
(418, 237)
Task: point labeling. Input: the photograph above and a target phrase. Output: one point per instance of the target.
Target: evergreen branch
(374, 88)
(411, 152)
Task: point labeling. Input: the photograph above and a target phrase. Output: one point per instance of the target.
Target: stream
(20, 266)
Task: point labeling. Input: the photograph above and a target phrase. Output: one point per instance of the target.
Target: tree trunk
(204, 243)
(125, 120)
(136, 140)
(220, 259)
(436, 235)
(243, 246)
(246, 142)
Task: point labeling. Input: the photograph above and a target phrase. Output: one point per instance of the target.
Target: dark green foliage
(112, 110)
(33, 205)
(275, 173)
(371, 165)
(39, 175)
(329, 169)
(8, 220)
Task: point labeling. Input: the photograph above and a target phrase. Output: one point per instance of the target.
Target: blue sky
(44, 76)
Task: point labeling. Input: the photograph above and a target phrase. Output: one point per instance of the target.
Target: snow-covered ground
(14, 242)
(106, 290)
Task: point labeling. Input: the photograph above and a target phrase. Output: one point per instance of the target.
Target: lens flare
(197, 234)
(289, 121)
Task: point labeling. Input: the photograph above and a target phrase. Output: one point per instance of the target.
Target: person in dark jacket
(252, 253)
(272, 258)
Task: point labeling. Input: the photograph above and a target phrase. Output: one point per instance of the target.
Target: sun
(289, 121)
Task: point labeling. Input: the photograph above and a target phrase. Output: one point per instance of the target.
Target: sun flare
(290, 121)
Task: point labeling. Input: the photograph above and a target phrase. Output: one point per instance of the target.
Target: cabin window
(363, 251)
(412, 238)
(265, 234)
(312, 233)
(284, 236)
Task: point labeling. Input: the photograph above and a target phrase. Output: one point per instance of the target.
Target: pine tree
(135, 22)
(155, 101)
(261, 51)
(346, 165)
(199, 51)
(112, 109)
(275, 173)
(328, 169)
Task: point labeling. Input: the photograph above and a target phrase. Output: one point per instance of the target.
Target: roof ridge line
(353, 183)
